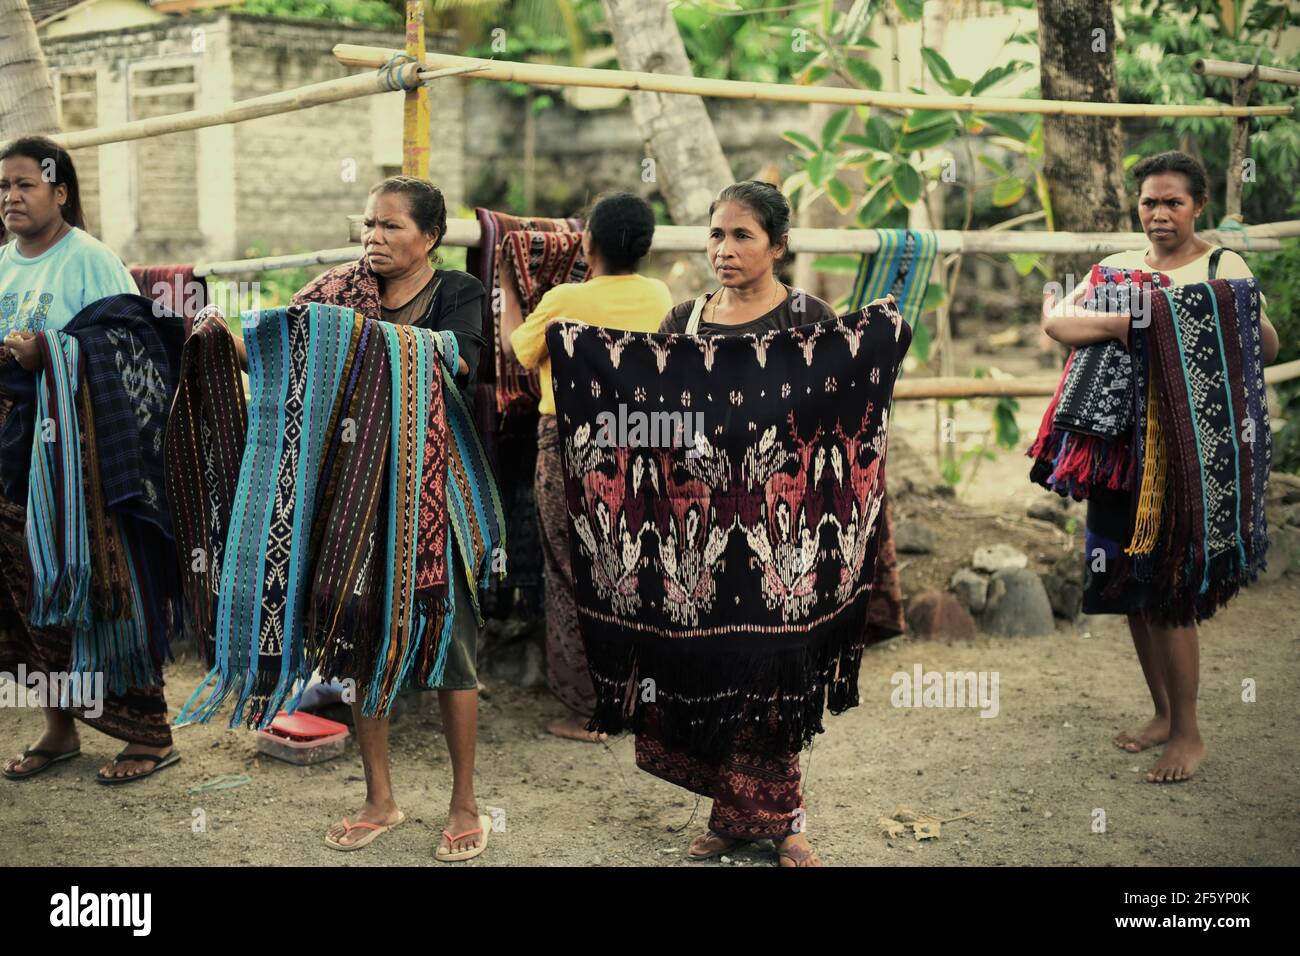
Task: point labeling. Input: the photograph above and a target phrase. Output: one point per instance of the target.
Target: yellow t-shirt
(1231, 266)
(627, 303)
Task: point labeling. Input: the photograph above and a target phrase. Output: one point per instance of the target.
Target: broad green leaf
(935, 296)
(1024, 262)
(1008, 192)
(927, 138)
(907, 183)
(922, 119)
(921, 341)
(876, 206)
(799, 139)
(910, 9)
(834, 128)
(839, 195)
(857, 160)
(845, 264)
(937, 65)
(815, 74)
(956, 86)
(992, 165)
(863, 73)
(1006, 125)
(878, 169)
(820, 165)
(880, 134)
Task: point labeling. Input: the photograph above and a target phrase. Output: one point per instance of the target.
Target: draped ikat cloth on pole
(1084, 440)
(1205, 448)
(724, 494)
(359, 468)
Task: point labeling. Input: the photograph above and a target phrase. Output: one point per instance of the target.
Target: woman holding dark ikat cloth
(1171, 194)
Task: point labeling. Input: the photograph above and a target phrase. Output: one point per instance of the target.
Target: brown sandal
(798, 855)
(736, 843)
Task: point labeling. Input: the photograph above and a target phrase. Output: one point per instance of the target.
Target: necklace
(771, 304)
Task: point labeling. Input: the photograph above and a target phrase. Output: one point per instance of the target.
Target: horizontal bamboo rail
(285, 101)
(552, 75)
(1240, 71)
(1261, 238)
(1035, 386)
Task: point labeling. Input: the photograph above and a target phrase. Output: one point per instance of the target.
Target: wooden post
(1241, 90)
(415, 114)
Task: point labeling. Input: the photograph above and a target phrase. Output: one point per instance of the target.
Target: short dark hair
(1174, 162)
(428, 208)
(42, 150)
(622, 226)
(765, 201)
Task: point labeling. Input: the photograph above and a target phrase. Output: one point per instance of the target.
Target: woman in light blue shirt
(49, 271)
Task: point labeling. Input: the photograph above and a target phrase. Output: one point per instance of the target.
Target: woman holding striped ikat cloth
(1175, 521)
(405, 221)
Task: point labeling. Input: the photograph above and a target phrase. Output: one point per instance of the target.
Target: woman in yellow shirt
(617, 236)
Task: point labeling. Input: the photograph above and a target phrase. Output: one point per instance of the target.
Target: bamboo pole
(1034, 386)
(1261, 238)
(301, 260)
(415, 105)
(552, 75)
(1240, 71)
(286, 101)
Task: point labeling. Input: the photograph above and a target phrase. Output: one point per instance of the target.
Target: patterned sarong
(1199, 532)
(724, 494)
(1084, 439)
(176, 288)
(900, 267)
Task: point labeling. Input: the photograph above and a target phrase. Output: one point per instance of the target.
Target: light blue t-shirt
(46, 291)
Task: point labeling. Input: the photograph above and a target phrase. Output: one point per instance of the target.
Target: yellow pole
(415, 113)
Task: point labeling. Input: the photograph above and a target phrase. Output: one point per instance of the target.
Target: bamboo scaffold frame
(544, 74)
(1265, 237)
(397, 77)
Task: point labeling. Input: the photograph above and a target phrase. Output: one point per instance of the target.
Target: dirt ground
(1032, 779)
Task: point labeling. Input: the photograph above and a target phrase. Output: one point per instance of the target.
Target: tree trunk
(689, 163)
(1082, 154)
(26, 95)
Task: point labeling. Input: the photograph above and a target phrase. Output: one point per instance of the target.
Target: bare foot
(460, 822)
(1179, 761)
(55, 742)
(132, 768)
(369, 813)
(795, 850)
(709, 845)
(571, 728)
(1136, 739)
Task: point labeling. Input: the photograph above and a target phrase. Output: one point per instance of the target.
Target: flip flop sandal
(159, 763)
(799, 855)
(374, 832)
(51, 758)
(714, 854)
(449, 856)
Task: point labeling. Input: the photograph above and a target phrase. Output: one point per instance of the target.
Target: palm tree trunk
(26, 94)
(1082, 154)
(690, 166)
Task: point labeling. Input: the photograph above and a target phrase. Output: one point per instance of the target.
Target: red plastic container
(303, 739)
